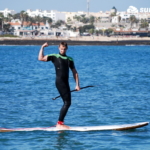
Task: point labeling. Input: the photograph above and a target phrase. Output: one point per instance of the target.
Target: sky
(72, 5)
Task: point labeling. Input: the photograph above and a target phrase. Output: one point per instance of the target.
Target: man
(62, 63)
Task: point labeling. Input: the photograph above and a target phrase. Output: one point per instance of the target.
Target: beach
(82, 40)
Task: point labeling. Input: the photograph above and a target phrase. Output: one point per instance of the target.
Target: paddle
(74, 91)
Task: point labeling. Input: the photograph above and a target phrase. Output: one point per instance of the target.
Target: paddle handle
(74, 91)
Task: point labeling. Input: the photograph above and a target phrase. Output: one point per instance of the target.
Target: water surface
(122, 78)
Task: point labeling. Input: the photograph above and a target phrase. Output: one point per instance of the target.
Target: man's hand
(45, 45)
(77, 88)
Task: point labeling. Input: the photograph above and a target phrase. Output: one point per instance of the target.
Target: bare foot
(62, 126)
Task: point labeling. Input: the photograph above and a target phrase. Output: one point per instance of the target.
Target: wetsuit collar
(62, 54)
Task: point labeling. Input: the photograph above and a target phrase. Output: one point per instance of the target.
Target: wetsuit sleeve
(50, 58)
(71, 65)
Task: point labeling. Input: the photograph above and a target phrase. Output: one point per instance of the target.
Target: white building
(103, 15)
(73, 34)
(70, 15)
(53, 14)
(7, 11)
(125, 15)
(144, 16)
(15, 25)
(27, 28)
(115, 19)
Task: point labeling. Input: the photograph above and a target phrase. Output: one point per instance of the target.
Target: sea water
(121, 76)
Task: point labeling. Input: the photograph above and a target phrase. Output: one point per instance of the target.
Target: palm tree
(97, 32)
(75, 17)
(85, 20)
(68, 27)
(26, 19)
(119, 19)
(50, 21)
(4, 22)
(92, 19)
(83, 15)
(137, 21)
(144, 23)
(16, 16)
(44, 19)
(58, 24)
(10, 16)
(47, 20)
(109, 31)
(100, 32)
(6, 27)
(6, 19)
(74, 29)
(97, 19)
(132, 20)
(113, 14)
(69, 20)
(82, 18)
(78, 18)
(31, 21)
(1, 20)
(91, 31)
(22, 17)
(38, 19)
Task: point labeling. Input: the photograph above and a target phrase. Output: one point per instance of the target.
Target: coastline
(94, 40)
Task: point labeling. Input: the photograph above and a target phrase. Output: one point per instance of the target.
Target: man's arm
(41, 56)
(76, 77)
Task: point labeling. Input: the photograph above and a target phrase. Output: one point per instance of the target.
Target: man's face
(62, 49)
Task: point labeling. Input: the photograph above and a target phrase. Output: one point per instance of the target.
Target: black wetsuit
(62, 64)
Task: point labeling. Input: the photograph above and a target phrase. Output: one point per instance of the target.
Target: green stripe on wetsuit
(63, 57)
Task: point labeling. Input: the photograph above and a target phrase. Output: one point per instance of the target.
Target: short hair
(64, 44)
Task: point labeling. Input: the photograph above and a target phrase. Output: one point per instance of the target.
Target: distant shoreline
(76, 41)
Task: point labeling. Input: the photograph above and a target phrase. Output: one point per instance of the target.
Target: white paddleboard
(83, 128)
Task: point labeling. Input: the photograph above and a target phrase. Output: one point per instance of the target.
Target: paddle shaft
(74, 91)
